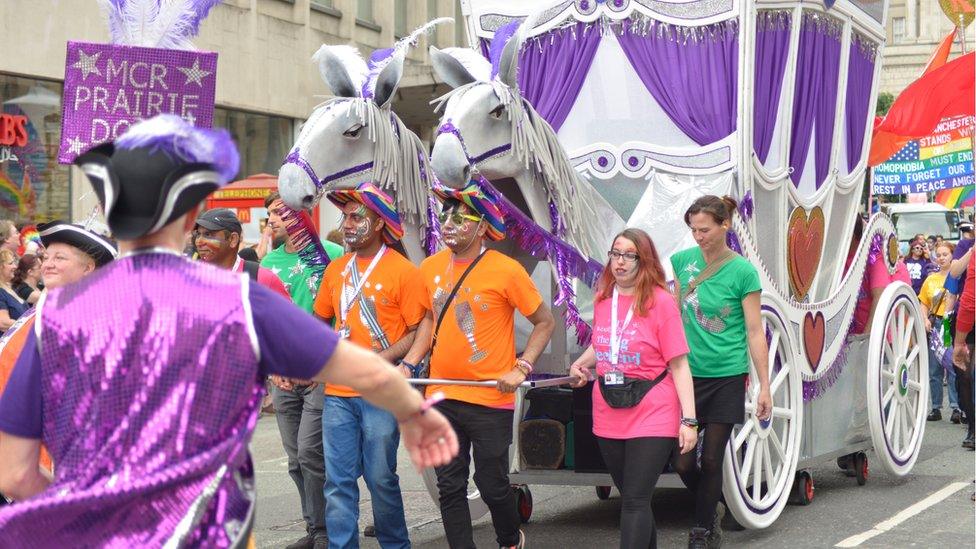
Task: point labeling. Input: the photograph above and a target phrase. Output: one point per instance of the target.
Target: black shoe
(956, 416)
(934, 415)
(370, 531)
(968, 442)
(307, 542)
(521, 542)
(698, 538)
(715, 534)
(321, 542)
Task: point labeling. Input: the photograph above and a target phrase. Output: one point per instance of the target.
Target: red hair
(650, 273)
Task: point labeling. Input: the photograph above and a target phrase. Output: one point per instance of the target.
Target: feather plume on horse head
(168, 24)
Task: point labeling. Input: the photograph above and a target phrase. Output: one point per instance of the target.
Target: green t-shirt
(715, 325)
(295, 276)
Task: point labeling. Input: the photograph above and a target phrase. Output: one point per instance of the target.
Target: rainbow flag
(960, 197)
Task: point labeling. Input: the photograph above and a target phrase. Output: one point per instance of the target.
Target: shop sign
(107, 87)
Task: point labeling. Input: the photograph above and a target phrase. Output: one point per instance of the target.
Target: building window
(322, 3)
(263, 141)
(34, 188)
(400, 18)
(364, 10)
(898, 29)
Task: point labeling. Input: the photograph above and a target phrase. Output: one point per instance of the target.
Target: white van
(929, 219)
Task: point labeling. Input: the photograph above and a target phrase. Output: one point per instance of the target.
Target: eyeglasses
(457, 218)
(629, 257)
(917, 247)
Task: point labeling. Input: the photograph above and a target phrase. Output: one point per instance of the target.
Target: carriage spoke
(784, 413)
(886, 398)
(747, 462)
(778, 380)
(890, 420)
(889, 353)
(757, 476)
(740, 437)
(896, 428)
(888, 374)
(912, 356)
(907, 335)
(769, 469)
(773, 348)
(914, 385)
(906, 434)
(774, 441)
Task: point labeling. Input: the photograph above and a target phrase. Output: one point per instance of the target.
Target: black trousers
(635, 465)
(488, 432)
(964, 388)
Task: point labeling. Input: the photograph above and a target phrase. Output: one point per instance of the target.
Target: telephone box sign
(108, 87)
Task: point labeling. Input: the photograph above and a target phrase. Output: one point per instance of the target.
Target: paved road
(573, 516)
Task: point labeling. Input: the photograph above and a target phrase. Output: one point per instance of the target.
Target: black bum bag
(629, 393)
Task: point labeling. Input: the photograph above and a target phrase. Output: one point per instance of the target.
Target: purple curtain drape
(552, 68)
(815, 94)
(772, 49)
(860, 74)
(691, 72)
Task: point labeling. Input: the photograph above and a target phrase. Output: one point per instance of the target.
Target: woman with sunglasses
(918, 263)
(643, 400)
(719, 294)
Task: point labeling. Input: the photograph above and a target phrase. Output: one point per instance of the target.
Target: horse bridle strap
(294, 157)
(449, 127)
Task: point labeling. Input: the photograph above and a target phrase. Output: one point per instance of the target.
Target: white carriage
(640, 111)
(649, 104)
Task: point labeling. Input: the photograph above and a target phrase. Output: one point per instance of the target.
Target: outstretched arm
(21, 477)
(759, 351)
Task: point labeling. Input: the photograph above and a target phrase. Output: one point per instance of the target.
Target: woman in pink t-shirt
(638, 340)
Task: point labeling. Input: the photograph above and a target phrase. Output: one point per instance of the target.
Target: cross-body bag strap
(450, 297)
(707, 273)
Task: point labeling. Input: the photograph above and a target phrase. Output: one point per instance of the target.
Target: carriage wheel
(603, 492)
(476, 505)
(898, 379)
(523, 501)
(803, 489)
(761, 456)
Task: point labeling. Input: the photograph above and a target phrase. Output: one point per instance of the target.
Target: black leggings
(635, 464)
(707, 482)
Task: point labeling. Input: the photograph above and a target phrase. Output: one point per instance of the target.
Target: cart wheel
(603, 492)
(802, 489)
(861, 468)
(761, 455)
(523, 500)
(897, 379)
(844, 462)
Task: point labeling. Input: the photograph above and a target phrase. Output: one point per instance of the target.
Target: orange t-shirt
(8, 359)
(395, 294)
(477, 336)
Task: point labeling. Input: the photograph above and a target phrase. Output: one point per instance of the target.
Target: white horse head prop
(489, 128)
(356, 137)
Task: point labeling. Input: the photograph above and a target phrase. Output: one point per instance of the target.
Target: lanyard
(614, 335)
(346, 304)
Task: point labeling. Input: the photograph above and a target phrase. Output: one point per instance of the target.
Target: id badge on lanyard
(615, 376)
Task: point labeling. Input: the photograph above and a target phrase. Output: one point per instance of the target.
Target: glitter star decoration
(87, 64)
(194, 74)
(75, 145)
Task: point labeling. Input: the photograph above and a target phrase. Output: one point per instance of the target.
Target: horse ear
(451, 71)
(334, 72)
(388, 81)
(508, 64)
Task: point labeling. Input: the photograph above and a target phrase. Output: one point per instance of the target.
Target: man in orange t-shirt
(376, 297)
(476, 341)
(71, 253)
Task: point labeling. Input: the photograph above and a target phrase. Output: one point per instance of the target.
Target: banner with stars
(942, 160)
(108, 87)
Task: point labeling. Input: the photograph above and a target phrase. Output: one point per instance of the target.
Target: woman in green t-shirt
(718, 292)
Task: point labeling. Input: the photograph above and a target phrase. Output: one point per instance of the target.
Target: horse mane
(400, 161)
(536, 147)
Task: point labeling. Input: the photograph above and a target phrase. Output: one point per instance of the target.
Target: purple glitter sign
(107, 87)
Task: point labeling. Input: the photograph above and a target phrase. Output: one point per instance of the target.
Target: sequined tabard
(151, 394)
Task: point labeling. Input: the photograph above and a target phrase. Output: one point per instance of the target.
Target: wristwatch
(690, 422)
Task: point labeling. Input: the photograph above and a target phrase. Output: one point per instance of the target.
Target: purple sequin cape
(151, 393)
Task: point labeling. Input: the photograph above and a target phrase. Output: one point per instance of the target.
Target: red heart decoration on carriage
(804, 246)
(814, 333)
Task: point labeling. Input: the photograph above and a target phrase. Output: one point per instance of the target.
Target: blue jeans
(936, 372)
(361, 440)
